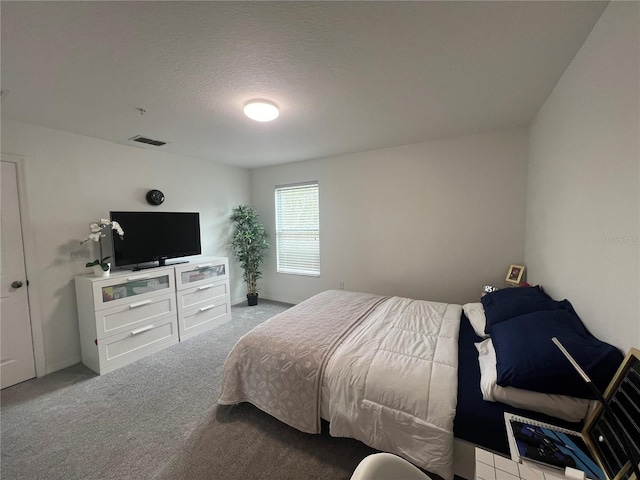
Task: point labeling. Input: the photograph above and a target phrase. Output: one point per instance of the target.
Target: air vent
(148, 141)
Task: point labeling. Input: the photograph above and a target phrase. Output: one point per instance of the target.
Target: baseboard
(64, 364)
(237, 301)
(282, 300)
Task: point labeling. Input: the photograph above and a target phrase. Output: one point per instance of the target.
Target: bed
(400, 375)
(478, 421)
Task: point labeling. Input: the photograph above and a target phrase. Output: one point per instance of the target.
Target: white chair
(385, 466)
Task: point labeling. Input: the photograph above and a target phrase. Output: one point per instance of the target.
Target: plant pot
(252, 299)
(99, 272)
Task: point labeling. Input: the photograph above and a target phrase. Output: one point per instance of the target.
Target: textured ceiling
(347, 76)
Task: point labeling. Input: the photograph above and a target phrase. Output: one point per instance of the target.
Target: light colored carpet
(158, 419)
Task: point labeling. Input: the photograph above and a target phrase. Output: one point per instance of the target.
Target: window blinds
(298, 229)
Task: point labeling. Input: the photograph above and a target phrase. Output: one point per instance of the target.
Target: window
(298, 229)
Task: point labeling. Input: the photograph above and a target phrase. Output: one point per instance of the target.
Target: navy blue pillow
(529, 360)
(509, 303)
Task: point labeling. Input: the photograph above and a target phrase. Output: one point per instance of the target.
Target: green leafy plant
(96, 235)
(249, 244)
(103, 263)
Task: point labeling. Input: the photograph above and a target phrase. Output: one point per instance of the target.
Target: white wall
(431, 221)
(72, 180)
(434, 221)
(583, 205)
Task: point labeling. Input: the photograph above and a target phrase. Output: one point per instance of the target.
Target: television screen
(155, 236)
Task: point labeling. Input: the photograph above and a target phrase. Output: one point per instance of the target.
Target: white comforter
(381, 370)
(392, 383)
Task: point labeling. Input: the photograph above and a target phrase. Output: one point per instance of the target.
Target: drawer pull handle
(204, 309)
(141, 330)
(140, 304)
(204, 265)
(139, 277)
(204, 287)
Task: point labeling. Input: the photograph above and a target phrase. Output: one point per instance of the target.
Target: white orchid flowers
(97, 234)
(96, 229)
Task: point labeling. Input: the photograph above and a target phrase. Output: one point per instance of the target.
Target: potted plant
(100, 266)
(249, 244)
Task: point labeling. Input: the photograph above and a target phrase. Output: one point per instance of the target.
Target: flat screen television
(155, 237)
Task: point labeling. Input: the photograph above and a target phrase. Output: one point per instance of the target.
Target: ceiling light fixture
(261, 110)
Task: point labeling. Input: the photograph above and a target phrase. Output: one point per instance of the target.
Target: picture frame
(514, 275)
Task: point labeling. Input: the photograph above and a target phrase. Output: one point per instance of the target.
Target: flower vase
(99, 272)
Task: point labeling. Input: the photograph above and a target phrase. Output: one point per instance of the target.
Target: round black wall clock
(155, 197)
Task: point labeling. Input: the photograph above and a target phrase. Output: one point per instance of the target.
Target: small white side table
(490, 466)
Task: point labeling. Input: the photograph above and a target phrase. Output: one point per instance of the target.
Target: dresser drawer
(132, 287)
(204, 294)
(201, 273)
(124, 318)
(195, 321)
(123, 348)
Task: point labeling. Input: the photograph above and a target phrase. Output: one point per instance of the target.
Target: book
(550, 446)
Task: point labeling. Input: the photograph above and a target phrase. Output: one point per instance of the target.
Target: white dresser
(204, 301)
(131, 314)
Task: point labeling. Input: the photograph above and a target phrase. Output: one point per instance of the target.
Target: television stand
(127, 315)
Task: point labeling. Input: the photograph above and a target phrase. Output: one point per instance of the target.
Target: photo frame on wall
(514, 275)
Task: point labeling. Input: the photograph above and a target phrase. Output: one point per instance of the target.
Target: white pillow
(564, 407)
(475, 314)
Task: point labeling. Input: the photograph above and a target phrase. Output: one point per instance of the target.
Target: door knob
(16, 284)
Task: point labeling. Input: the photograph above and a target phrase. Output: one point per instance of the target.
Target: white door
(17, 361)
